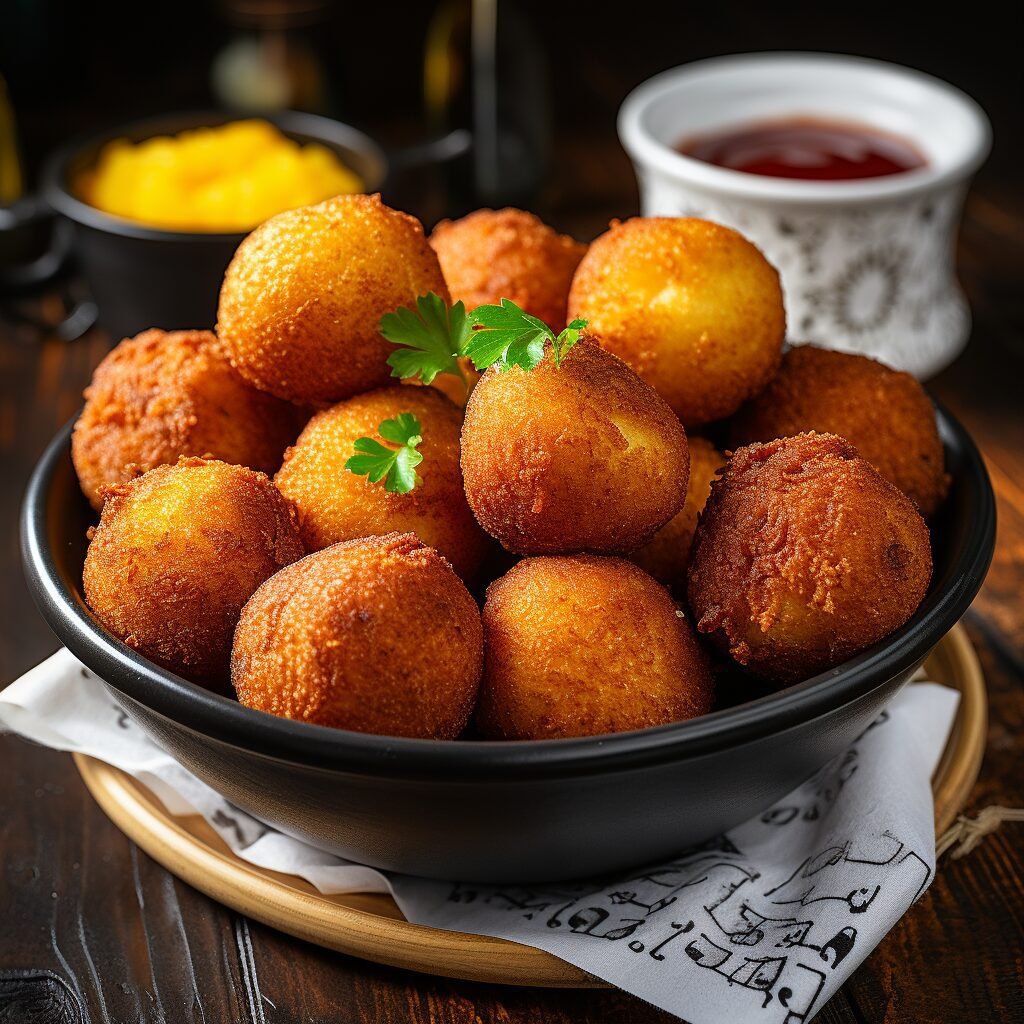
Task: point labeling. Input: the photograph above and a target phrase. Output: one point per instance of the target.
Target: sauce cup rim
(651, 152)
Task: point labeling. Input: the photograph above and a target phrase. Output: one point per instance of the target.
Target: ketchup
(805, 147)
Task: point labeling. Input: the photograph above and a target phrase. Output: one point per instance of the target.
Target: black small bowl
(146, 277)
(515, 811)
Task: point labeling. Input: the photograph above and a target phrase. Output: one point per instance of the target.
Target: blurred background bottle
(484, 71)
(273, 61)
(11, 183)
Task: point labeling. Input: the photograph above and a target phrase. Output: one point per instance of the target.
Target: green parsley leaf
(396, 466)
(433, 337)
(566, 339)
(507, 336)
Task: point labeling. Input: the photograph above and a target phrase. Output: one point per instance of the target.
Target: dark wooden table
(131, 943)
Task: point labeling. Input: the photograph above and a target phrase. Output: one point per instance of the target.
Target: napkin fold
(762, 924)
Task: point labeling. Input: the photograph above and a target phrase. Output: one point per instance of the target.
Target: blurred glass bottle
(11, 184)
(484, 71)
(272, 62)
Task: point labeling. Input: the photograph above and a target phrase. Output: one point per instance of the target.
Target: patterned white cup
(867, 265)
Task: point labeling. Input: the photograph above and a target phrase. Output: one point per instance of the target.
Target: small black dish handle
(19, 224)
(22, 225)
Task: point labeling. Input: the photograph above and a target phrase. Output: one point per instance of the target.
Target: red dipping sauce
(804, 147)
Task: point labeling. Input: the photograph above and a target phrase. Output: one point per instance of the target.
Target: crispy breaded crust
(301, 302)
(667, 556)
(176, 555)
(584, 456)
(376, 635)
(583, 645)
(161, 395)
(804, 556)
(883, 413)
(489, 255)
(692, 306)
(335, 505)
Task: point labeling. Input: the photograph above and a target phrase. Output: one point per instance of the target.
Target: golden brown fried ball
(160, 395)
(302, 299)
(582, 645)
(692, 306)
(884, 414)
(377, 635)
(334, 504)
(579, 457)
(667, 556)
(804, 556)
(494, 254)
(176, 555)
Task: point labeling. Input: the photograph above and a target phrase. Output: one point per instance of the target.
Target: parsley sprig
(396, 466)
(434, 336)
(507, 336)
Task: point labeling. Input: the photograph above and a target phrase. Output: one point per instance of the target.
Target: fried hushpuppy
(579, 457)
(163, 394)
(692, 306)
(178, 552)
(667, 555)
(302, 299)
(494, 254)
(804, 556)
(376, 635)
(335, 505)
(582, 645)
(886, 415)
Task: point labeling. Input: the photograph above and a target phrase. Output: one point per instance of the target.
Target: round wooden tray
(372, 927)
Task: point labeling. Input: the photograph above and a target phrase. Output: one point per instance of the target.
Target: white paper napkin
(762, 924)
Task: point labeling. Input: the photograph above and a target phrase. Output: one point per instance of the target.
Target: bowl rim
(650, 152)
(468, 761)
(57, 193)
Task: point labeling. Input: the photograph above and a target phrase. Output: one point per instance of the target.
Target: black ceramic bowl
(515, 811)
(146, 277)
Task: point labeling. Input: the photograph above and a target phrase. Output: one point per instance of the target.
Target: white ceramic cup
(867, 265)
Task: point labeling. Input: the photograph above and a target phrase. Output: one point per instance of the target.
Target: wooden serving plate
(372, 927)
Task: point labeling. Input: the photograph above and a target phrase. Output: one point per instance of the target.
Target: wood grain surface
(92, 930)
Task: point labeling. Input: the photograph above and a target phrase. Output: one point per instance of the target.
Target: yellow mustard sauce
(228, 178)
